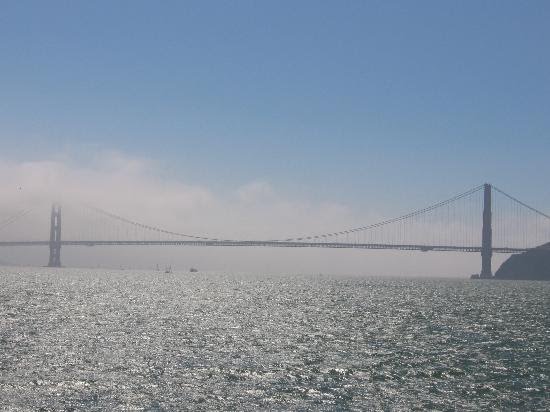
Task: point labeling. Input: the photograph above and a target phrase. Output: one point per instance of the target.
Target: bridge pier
(486, 235)
(55, 237)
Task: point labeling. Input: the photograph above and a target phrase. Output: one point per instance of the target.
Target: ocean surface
(127, 340)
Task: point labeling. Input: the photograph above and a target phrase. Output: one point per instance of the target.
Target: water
(99, 340)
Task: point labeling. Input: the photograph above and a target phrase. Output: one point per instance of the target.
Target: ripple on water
(74, 339)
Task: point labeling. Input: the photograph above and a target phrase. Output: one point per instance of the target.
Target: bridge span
(266, 243)
(482, 220)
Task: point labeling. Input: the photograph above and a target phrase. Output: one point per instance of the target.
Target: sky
(324, 113)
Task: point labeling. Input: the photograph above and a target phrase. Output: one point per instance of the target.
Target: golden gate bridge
(483, 220)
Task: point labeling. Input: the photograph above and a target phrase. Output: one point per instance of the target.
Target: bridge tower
(55, 237)
(486, 234)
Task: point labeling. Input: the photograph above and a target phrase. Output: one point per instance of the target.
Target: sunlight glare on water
(75, 339)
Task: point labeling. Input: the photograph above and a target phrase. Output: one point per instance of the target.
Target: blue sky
(371, 103)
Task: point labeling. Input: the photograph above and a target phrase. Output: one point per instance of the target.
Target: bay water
(87, 339)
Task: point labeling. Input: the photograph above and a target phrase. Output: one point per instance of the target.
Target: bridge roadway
(264, 243)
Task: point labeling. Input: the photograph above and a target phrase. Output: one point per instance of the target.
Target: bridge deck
(265, 243)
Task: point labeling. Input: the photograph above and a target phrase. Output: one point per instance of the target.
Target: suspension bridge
(483, 220)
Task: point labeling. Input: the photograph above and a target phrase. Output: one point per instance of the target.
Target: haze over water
(73, 339)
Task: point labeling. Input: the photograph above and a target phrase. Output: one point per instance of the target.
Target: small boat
(193, 270)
